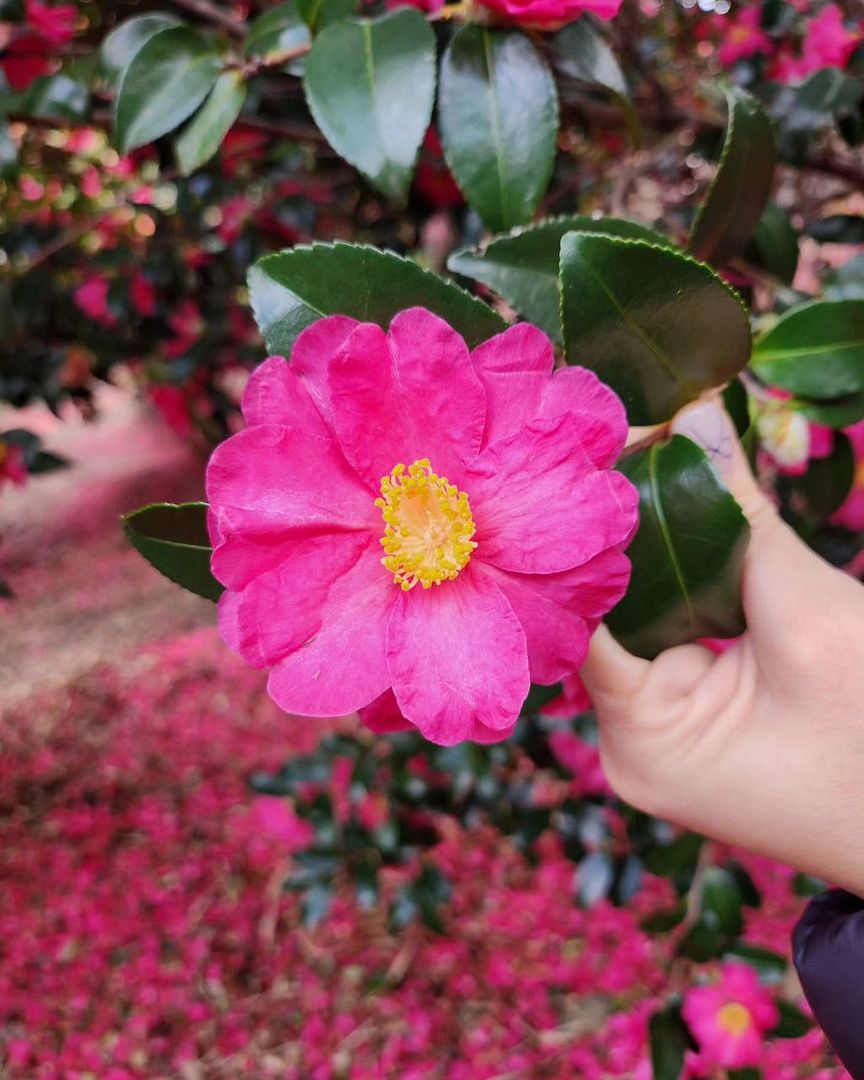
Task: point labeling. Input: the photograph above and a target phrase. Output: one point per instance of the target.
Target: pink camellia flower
(55, 24)
(827, 42)
(851, 513)
(742, 37)
(788, 437)
(730, 1019)
(485, 478)
(12, 466)
(92, 299)
(543, 14)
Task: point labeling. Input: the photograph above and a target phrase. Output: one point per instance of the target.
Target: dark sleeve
(829, 955)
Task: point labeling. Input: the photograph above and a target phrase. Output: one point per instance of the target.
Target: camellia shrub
(412, 274)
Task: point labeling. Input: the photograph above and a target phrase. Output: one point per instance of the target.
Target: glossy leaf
(204, 134)
(581, 52)
(837, 413)
(656, 325)
(721, 901)
(370, 84)
(278, 30)
(816, 350)
(164, 84)
(735, 201)
(174, 540)
(498, 118)
(125, 40)
(774, 245)
(669, 1041)
(523, 266)
(318, 14)
(792, 1023)
(687, 554)
(828, 481)
(294, 288)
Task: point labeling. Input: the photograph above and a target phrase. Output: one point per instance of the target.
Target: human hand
(762, 746)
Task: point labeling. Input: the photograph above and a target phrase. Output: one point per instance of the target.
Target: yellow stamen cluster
(734, 1018)
(427, 526)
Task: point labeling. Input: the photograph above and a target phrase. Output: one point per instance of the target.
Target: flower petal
(575, 389)
(275, 395)
(515, 368)
(559, 612)
(540, 505)
(310, 357)
(384, 716)
(278, 479)
(457, 657)
(407, 395)
(281, 608)
(344, 666)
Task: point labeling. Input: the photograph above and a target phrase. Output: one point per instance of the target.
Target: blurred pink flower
(742, 36)
(851, 513)
(92, 299)
(729, 1020)
(547, 14)
(276, 818)
(516, 544)
(13, 470)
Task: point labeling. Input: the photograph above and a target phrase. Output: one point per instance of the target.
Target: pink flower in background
(485, 477)
(851, 513)
(827, 42)
(276, 818)
(742, 37)
(547, 14)
(172, 405)
(789, 439)
(188, 326)
(582, 760)
(13, 470)
(92, 299)
(29, 52)
(729, 1020)
(143, 295)
(55, 24)
(573, 700)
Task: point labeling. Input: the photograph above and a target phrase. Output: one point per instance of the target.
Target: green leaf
(792, 1023)
(721, 901)
(278, 30)
(816, 350)
(498, 117)
(125, 40)
(581, 52)
(293, 289)
(687, 555)
(837, 413)
(828, 481)
(676, 860)
(745, 1074)
(770, 966)
(318, 14)
(669, 1041)
(174, 540)
(370, 85)
(523, 266)
(166, 81)
(656, 325)
(735, 201)
(774, 245)
(204, 134)
(56, 95)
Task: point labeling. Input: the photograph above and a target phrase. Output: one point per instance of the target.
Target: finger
(611, 674)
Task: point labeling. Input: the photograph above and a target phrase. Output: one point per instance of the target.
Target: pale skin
(763, 746)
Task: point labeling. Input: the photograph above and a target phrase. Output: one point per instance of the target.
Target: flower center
(734, 1018)
(427, 526)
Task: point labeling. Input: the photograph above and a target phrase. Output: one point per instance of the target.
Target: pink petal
(539, 504)
(344, 666)
(407, 395)
(515, 368)
(281, 608)
(276, 395)
(558, 612)
(575, 389)
(457, 658)
(384, 716)
(270, 479)
(310, 357)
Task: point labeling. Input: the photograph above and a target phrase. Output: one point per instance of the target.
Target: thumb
(709, 425)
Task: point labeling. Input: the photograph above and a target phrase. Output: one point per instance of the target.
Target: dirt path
(60, 534)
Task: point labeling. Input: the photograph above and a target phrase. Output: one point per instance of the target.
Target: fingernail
(709, 425)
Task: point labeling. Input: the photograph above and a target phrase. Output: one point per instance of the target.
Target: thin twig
(206, 10)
